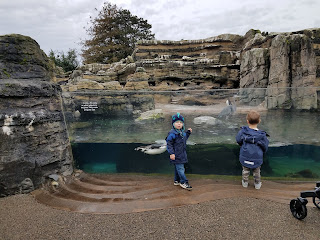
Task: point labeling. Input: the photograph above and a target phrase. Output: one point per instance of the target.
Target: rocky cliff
(277, 70)
(205, 64)
(287, 65)
(168, 65)
(33, 136)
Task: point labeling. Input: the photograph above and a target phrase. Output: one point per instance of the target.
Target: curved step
(119, 193)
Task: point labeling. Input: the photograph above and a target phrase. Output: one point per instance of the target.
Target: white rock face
(29, 127)
(7, 122)
(6, 130)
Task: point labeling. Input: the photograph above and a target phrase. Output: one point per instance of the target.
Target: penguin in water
(153, 149)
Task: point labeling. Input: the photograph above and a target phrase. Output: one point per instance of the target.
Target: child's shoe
(244, 184)
(186, 186)
(257, 185)
(176, 183)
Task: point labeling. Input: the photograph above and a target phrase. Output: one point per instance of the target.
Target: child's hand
(190, 129)
(172, 156)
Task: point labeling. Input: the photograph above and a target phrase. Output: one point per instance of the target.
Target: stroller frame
(298, 206)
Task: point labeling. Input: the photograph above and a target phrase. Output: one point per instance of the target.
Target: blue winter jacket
(253, 144)
(176, 144)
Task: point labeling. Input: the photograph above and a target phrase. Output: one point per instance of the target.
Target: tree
(114, 33)
(68, 62)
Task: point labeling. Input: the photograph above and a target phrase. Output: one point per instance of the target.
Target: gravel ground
(22, 217)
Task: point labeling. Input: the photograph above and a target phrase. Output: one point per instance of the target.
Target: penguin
(153, 149)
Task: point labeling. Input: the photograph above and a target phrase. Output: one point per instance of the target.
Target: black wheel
(298, 209)
(316, 202)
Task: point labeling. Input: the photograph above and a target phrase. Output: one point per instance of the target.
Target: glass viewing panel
(109, 130)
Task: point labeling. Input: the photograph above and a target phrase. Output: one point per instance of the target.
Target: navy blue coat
(176, 144)
(253, 144)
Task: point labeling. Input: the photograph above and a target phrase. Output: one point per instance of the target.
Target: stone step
(119, 193)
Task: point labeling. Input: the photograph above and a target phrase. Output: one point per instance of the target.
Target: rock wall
(33, 136)
(167, 65)
(88, 105)
(285, 67)
(194, 64)
(205, 64)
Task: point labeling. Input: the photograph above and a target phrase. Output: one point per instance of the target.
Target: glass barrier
(111, 131)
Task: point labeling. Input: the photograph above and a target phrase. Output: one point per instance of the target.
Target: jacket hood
(252, 135)
(176, 131)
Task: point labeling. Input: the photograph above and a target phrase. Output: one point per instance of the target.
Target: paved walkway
(116, 207)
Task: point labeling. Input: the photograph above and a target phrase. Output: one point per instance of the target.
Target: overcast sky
(59, 24)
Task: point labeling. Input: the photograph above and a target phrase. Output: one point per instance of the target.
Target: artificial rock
(286, 66)
(33, 137)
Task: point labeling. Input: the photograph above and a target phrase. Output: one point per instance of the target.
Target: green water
(106, 144)
(293, 161)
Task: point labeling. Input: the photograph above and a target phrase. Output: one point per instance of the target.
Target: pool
(104, 139)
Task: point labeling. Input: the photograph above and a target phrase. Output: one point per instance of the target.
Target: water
(294, 161)
(298, 161)
(284, 128)
(103, 141)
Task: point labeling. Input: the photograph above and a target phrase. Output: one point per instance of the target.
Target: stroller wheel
(298, 208)
(316, 202)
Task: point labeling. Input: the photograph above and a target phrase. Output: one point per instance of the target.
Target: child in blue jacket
(254, 143)
(176, 147)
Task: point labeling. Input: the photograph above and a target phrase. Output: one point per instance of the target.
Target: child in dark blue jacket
(254, 143)
(176, 147)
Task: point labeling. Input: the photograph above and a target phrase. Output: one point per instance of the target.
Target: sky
(60, 25)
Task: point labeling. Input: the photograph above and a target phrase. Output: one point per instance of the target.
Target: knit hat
(177, 117)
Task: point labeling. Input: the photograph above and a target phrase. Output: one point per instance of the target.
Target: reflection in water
(284, 128)
(220, 159)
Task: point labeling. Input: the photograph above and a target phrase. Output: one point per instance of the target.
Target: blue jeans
(179, 173)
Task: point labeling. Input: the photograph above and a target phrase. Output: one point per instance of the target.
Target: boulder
(151, 115)
(206, 120)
